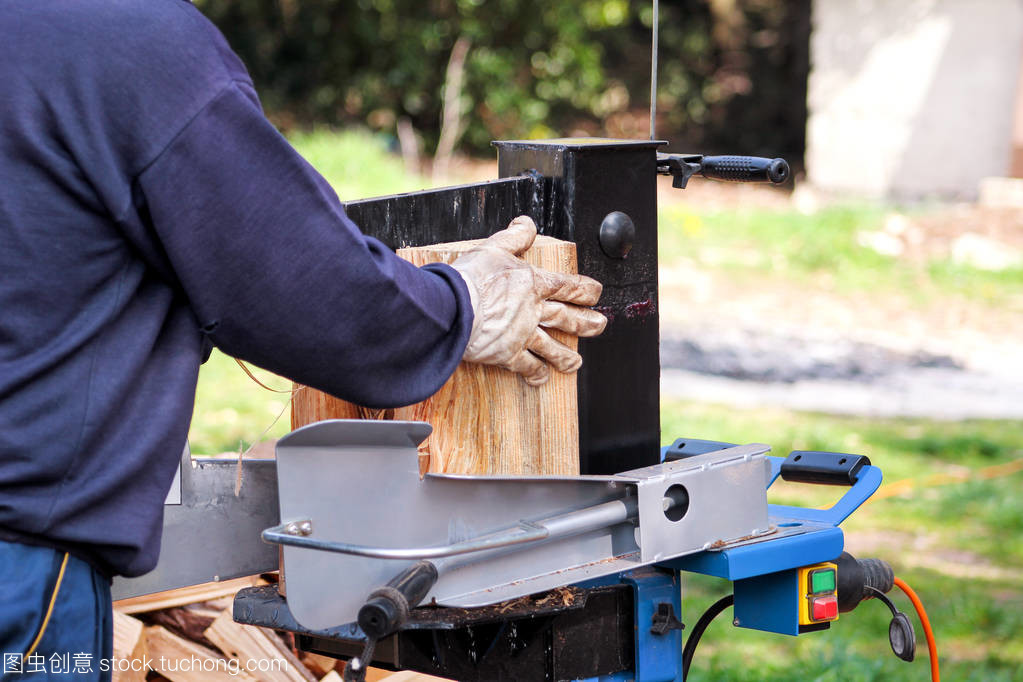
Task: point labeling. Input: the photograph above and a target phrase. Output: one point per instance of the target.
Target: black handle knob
(388, 607)
(827, 468)
(745, 169)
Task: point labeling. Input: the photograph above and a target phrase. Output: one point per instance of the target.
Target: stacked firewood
(189, 635)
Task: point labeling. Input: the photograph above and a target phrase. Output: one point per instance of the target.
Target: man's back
(147, 209)
(96, 339)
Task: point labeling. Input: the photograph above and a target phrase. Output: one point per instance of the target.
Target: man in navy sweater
(148, 210)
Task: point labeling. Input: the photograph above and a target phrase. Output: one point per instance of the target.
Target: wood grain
(486, 420)
(186, 595)
(179, 660)
(129, 645)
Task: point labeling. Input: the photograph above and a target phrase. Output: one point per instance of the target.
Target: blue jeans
(55, 617)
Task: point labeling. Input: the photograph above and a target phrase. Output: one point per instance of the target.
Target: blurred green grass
(786, 244)
(232, 411)
(959, 545)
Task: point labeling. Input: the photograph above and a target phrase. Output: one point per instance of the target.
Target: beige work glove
(512, 301)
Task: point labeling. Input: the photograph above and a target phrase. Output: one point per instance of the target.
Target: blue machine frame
(763, 573)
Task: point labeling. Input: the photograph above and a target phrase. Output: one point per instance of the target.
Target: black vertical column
(583, 182)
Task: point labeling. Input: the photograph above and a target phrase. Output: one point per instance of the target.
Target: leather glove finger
(516, 238)
(572, 319)
(563, 358)
(534, 370)
(578, 289)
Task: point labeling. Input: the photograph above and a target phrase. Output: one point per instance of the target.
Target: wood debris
(189, 635)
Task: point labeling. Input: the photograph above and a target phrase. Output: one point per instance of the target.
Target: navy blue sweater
(148, 208)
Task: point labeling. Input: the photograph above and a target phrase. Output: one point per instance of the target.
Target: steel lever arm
(731, 168)
(295, 534)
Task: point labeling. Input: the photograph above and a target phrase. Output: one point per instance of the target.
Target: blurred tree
(732, 74)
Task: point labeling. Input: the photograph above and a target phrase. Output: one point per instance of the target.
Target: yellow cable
(49, 609)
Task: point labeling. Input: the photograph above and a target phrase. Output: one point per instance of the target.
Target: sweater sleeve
(278, 275)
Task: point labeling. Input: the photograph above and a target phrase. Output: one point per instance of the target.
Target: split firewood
(186, 595)
(254, 647)
(180, 660)
(189, 621)
(317, 664)
(129, 647)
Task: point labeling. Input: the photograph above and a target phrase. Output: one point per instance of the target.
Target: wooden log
(186, 595)
(130, 647)
(179, 660)
(189, 621)
(485, 420)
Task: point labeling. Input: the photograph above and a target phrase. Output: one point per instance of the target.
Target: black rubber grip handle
(827, 468)
(745, 169)
(388, 607)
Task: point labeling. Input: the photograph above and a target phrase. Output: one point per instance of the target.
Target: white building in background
(913, 98)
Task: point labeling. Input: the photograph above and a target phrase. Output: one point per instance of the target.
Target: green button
(822, 581)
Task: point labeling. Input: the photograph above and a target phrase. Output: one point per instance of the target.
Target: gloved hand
(512, 300)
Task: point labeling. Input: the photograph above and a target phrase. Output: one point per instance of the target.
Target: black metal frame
(568, 187)
(569, 633)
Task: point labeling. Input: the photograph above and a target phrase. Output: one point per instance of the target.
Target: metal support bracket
(208, 531)
(593, 525)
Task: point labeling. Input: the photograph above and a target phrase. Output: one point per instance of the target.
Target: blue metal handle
(868, 480)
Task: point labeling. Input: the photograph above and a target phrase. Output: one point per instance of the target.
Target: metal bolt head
(301, 528)
(617, 234)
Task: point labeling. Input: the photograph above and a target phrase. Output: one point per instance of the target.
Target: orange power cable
(932, 647)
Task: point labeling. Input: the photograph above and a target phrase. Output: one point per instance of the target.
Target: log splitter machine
(531, 578)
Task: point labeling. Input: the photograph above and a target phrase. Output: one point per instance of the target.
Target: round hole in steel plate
(676, 502)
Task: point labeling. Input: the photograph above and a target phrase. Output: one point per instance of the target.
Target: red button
(824, 608)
